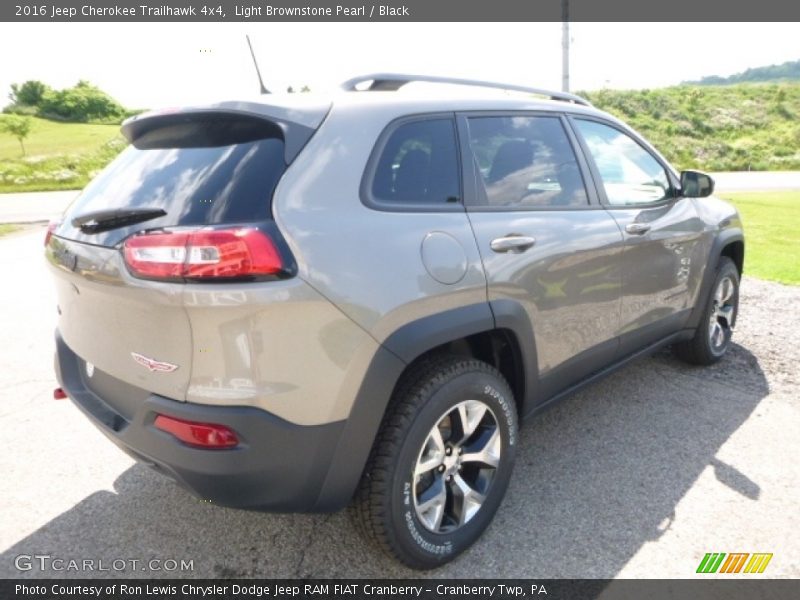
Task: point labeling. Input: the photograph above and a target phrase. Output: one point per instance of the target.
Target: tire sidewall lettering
(498, 401)
(429, 547)
(506, 409)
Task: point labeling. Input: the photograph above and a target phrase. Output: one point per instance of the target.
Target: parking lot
(637, 476)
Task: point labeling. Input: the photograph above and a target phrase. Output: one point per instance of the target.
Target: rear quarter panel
(366, 261)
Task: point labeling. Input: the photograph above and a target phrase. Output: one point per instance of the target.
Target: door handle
(512, 243)
(637, 228)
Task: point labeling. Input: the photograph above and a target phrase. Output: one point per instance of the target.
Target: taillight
(51, 227)
(203, 254)
(203, 435)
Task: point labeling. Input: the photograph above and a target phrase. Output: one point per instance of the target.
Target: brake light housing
(51, 227)
(200, 435)
(204, 254)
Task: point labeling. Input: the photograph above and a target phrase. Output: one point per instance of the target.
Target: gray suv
(296, 304)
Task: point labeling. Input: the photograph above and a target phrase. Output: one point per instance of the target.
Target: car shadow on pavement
(597, 476)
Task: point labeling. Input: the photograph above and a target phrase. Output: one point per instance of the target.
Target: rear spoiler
(296, 130)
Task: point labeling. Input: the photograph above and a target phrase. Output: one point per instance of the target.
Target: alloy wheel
(723, 310)
(456, 466)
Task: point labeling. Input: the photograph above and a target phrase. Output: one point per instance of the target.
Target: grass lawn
(4, 229)
(50, 138)
(59, 156)
(772, 233)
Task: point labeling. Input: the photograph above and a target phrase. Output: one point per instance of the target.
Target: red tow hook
(59, 394)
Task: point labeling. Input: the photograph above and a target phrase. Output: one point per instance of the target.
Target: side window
(418, 164)
(526, 162)
(630, 174)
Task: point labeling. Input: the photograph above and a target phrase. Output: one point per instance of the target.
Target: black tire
(701, 349)
(430, 395)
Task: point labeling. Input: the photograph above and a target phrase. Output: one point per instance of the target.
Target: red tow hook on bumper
(59, 394)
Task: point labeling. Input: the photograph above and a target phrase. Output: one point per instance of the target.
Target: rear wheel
(713, 336)
(441, 462)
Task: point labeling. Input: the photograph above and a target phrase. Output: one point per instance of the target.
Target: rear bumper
(278, 465)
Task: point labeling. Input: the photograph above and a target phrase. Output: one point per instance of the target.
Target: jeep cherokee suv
(296, 304)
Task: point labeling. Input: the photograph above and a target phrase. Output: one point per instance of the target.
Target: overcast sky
(165, 64)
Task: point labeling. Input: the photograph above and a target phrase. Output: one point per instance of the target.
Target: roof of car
(456, 99)
(395, 95)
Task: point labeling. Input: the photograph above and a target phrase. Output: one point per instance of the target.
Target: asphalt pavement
(639, 475)
(34, 207)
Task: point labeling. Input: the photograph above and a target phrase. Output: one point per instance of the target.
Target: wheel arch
(498, 333)
(730, 243)
(734, 250)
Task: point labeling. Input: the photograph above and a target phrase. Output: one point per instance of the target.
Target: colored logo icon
(739, 562)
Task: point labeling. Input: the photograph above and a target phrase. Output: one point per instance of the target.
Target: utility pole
(565, 45)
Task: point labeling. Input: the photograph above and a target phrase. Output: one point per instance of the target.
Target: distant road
(756, 180)
(32, 207)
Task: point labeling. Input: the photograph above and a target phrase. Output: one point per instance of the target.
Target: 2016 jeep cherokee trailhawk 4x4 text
(296, 304)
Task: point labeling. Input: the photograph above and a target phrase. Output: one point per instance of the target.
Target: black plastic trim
(359, 431)
(512, 316)
(574, 369)
(610, 369)
(295, 136)
(416, 338)
(642, 337)
(722, 239)
(375, 391)
(278, 466)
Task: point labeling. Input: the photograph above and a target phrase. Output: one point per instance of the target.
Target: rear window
(418, 165)
(205, 172)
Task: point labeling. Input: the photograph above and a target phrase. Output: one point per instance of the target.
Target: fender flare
(724, 238)
(512, 316)
(398, 350)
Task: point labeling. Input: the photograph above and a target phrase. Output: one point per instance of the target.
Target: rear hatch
(188, 200)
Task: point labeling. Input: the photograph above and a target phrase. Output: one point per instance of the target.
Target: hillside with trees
(81, 103)
(788, 71)
(716, 128)
(59, 139)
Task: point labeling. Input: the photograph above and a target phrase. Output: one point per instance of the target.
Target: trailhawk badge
(152, 364)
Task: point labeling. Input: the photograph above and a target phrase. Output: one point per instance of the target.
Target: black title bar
(741, 588)
(406, 10)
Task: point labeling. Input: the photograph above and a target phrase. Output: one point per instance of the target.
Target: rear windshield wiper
(105, 220)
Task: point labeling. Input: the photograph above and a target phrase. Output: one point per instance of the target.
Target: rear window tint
(418, 164)
(201, 173)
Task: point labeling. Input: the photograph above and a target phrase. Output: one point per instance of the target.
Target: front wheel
(713, 336)
(441, 462)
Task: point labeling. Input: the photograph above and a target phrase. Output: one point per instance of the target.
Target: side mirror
(695, 184)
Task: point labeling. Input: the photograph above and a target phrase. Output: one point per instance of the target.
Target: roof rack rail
(391, 82)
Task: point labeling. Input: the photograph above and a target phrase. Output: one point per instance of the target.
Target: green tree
(29, 93)
(17, 126)
(83, 102)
